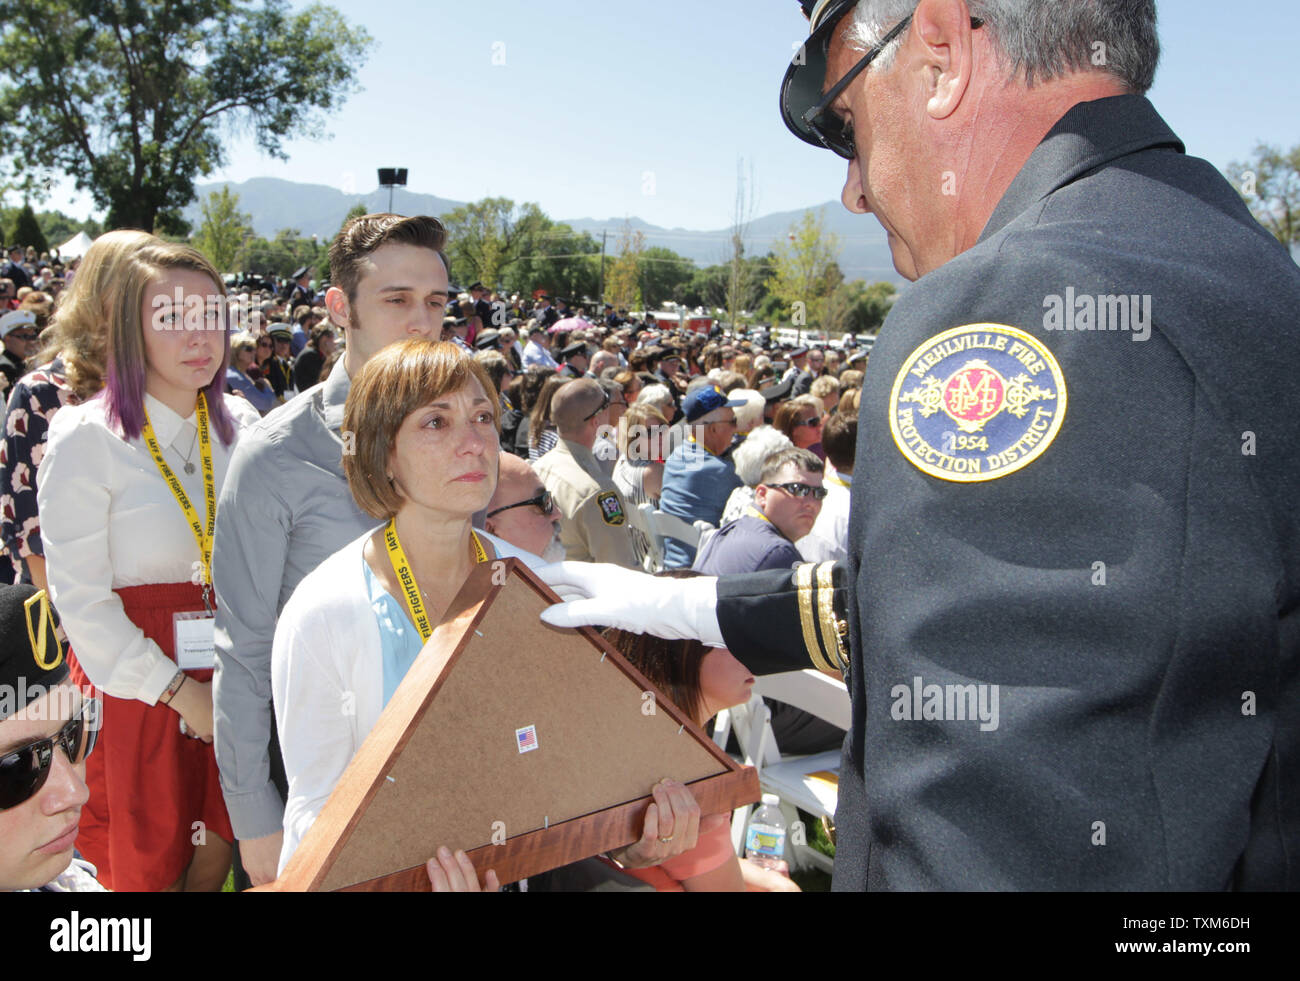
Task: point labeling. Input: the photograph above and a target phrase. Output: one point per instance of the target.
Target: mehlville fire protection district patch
(977, 403)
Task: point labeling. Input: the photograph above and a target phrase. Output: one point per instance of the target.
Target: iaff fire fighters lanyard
(202, 533)
(406, 578)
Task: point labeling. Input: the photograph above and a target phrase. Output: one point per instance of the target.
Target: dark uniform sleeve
(787, 619)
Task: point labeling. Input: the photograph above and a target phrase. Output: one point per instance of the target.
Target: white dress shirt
(535, 354)
(109, 520)
(327, 679)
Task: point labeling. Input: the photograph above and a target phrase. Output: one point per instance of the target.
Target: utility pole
(603, 235)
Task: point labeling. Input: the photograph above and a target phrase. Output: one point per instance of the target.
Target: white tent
(75, 247)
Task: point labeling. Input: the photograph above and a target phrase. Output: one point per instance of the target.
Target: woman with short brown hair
(420, 435)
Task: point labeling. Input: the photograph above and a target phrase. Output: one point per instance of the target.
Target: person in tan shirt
(595, 526)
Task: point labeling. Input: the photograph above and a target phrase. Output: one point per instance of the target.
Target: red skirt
(154, 792)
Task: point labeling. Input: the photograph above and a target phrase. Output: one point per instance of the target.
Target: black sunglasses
(800, 490)
(23, 771)
(835, 134)
(542, 502)
(604, 404)
(814, 421)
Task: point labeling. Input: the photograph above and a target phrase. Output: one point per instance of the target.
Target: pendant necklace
(189, 466)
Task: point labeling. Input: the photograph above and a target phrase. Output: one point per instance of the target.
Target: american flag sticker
(526, 738)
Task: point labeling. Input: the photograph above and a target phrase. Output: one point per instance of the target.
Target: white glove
(611, 596)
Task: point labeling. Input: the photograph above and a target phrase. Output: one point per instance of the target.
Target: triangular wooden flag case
(526, 745)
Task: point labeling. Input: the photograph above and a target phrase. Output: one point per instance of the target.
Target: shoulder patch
(977, 403)
(611, 508)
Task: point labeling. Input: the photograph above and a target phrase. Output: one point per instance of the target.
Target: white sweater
(327, 679)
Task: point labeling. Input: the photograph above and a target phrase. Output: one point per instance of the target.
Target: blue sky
(642, 108)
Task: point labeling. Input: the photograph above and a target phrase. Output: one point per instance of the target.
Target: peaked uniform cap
(801, 89)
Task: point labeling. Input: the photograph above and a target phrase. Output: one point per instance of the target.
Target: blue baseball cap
(704, 400)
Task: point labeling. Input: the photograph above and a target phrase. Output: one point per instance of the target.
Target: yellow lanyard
(754, 512)
(402, 569)
(202, 534)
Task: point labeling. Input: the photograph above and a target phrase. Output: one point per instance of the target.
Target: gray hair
(750, 455)
(1038, 40)
(659, 397)
(749, 415)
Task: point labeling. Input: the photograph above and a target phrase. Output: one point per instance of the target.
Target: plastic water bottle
(765, 836)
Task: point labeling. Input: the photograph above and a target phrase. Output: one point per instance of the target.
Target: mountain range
(318, 209)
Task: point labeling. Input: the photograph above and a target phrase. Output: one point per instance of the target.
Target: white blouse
(109, 520)
(327, 679)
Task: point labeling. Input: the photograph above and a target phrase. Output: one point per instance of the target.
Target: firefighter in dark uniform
(300, 291)
(547, 316)
(575, 361)
(1071, 612)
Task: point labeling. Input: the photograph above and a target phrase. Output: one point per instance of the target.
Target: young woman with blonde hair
(127, 495)
(70, 369)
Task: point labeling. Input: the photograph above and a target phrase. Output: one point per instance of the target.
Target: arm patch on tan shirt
(611, 508)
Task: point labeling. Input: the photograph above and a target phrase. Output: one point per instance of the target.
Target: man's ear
(946, 48)
(340, 311)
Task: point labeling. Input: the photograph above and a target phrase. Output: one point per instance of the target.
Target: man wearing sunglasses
(1082, 517)
(786, 504)
(522, 511)
(594, 526)
(18, 335)
(46, 733)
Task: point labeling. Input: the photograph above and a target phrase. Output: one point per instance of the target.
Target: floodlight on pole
(391, 177)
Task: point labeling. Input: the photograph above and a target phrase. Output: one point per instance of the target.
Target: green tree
(553, 255)
(1270, 184)
(356, 211)
(707, 287)
(870, 307)
(282, 255)
(664, 275)
(224, 230)
(804, 271)
(623, 282)
(484, 237)
(129, 97)
(859, 308)
(27, 230)
(59, 227)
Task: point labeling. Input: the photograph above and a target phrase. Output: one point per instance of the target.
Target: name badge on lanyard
(196, 647)
(193, 632)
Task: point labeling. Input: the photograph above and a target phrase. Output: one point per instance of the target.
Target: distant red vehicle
(672, 321)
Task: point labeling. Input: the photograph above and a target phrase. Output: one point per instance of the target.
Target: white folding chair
(661, 525)
(652, 561)
(810, 783)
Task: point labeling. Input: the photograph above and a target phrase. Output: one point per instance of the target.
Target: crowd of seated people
(234, 520)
